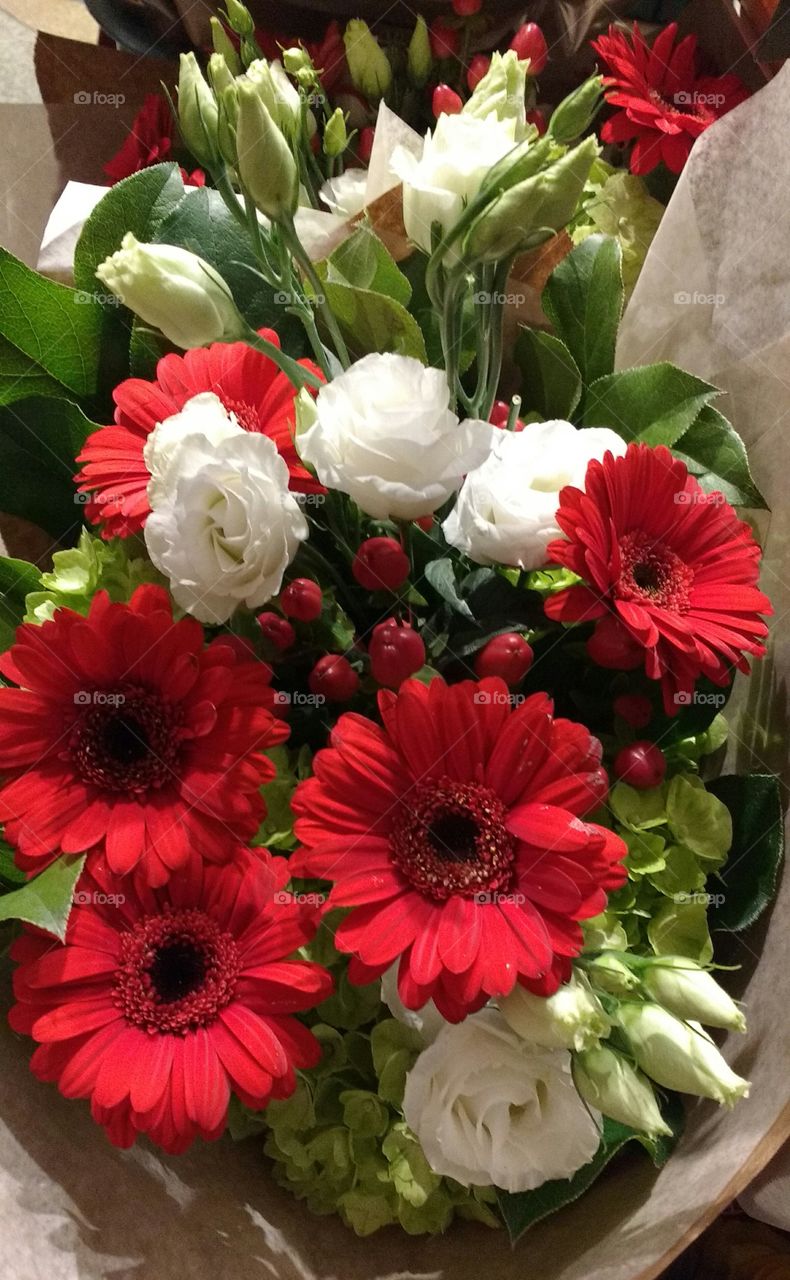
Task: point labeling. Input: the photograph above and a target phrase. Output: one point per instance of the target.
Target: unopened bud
(224, 46)
(607, 1081)
(197, 112)
(420, 58)
(368, 64)
(240, 18)
(575, 114)
(689, 991)
(335, 134)
(679, 1055)
(573, 1018)
(265, 165)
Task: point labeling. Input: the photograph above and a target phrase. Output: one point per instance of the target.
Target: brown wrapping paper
(73, 1208)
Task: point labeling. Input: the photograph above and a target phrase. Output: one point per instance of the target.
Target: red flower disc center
(651, 573)
(450, 838)
(177, 972)
(246, 414)
(126, 740)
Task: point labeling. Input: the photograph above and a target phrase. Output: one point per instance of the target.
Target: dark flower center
(177, 972)
(126, 740)
(652, 573)
(450, 838)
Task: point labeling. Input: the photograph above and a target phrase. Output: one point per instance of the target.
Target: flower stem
(311, 275)
(295, 372)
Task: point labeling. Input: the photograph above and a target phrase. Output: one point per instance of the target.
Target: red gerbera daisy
(664, 105)
(114, 476)
(455, 835)
(671, 570)
(163, 1002)
(149, 141)
(127, 734)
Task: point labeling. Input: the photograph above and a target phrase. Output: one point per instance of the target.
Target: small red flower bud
(333, 678)
(612, 646)
(380, 564)
(425, 523)
(530, 42)
(641, 765)
(302, 600)
(445, 101)
(539, 120)
(278, 631)
(476, 70)
(467, 8)
(635, 709)
(444, 39)
(365, 143)
(508, 656)
(500, 414)
(396, 652)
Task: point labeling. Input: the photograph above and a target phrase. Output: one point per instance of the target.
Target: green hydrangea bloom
(619, 204)
(117, 567)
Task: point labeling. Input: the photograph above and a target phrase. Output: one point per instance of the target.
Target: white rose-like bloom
(173, 290)
(384, 433)
(506, 511)
(455, 159)
(345, 195)
(223, 526)
(489, 1108)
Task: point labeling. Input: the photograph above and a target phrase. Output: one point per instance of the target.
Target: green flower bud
(689, 991)
(266, 167)
(575, 114)
(368, 64)
(502, 90)
(197, 112)
(573, 1018)
(277, 94)
(607, 1081)
(530, 212)
(173, 290)
(335, 134)
(240, 18)
(419, 54)
(610, 974)
(299, 64)
(220, 76)
(224, 46)
(364, 1113)
(679, 1055)
(228, 104)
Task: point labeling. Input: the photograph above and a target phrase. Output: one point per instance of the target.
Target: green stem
(325, 311)
(295, 372)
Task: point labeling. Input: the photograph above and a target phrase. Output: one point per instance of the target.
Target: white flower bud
(679, 1055)
(689, 991)
(266, 167)
(607, 1081)
(573, 1018)
(197, 112)
(610, 974)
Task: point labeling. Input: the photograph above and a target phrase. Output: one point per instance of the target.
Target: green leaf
(46, 901)
(656, 403)
(57, 328)
(645, 852)
(681, 874)
(751, 873)
(523, 1209)
(136, 204)
(17, 578)
(39, 439)
(10, 875)
(698, 819)
(714, 453)
(584, 301)
(639, 810)
(441, 576)
(551, 383)
(373, 322)
(146, 349)
(364, 262)
(681, 929)
(20, 377)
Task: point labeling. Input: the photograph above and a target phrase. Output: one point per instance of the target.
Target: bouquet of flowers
(359, 746)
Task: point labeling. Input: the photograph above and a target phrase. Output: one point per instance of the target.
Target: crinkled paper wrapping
(74, 1208)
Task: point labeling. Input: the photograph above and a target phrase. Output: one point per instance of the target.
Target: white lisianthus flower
(427, 1021)
(489, 1108)
(345, 195)
(679, 1055)
(384, 433)
(173, 290)
(455, 159)
(223, 526)
(506, 511)
(573, 1018)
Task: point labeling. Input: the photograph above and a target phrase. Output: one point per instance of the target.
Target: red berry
(445, 101)
(302, 600)
(612, 646)
(467, 8)
(530, 42)
(539, 120)
(396, 652)
(425, 523)
(478, 67)
(277, 630)
(444, 39)
(508, 656)
(365, 143)
(500, 415)
(641, 765)
(380, 564)
(333, 678)
(635, 709)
